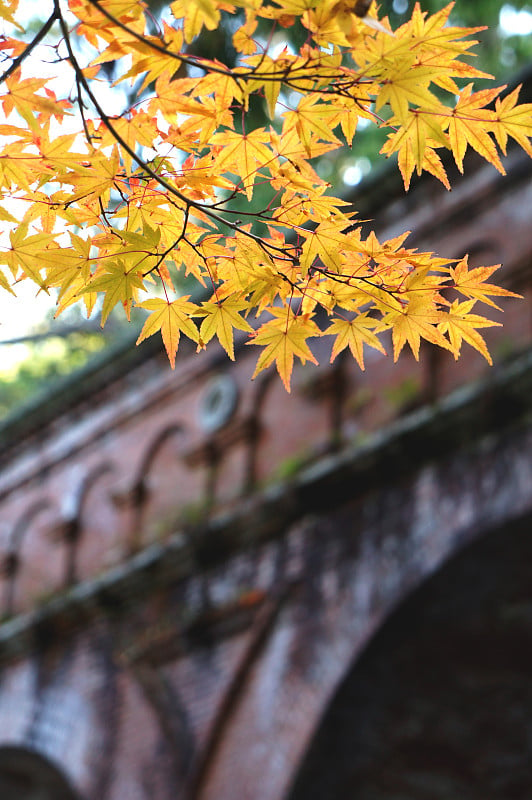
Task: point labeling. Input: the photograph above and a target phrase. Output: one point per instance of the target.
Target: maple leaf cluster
(123, 206)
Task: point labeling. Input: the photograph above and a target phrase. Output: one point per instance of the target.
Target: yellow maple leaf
(171, 319)
(4, 283)
(405, 83)
(17, 167)
(283, 338)
(92, 181)
(354, 333)
(25, 254)
(417, 320)
(71, 268)
(120, 284)
(469, 123)
(327, 243)
(243, 154)
(220, 319)
(514, 121)
(139, 129)
(22, 96)
(460, 325)
(313, 119)
(269, 74)
(243, 40)
(472, 283)
(196, 14)
(415, 141)
(8, 9)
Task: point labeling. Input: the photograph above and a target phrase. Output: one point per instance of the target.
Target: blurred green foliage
(44, 361)
(52, 351)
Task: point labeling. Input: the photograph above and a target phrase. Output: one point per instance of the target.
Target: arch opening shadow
(26, 775)
(439, 705)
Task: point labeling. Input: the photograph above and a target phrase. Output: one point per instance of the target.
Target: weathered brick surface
(215, 683)
(439, 704)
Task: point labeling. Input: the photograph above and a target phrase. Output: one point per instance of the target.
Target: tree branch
(39, 36)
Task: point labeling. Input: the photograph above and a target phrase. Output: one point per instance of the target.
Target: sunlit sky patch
(515, 23)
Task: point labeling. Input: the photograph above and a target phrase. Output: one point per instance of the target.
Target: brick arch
(137, 495)
(14, 561)
(151, 452)
(84, 552)
(349, 569)
(27, 775)
(439, 702)
(47, 711)
(78, 709)
(146, 483)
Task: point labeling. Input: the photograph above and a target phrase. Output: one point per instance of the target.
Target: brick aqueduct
(210, 589)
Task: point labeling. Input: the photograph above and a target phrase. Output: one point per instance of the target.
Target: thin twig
(39, 36)
(207, 210)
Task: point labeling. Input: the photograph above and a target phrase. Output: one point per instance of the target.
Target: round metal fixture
(218, 403)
